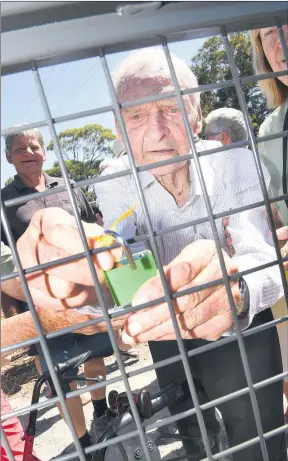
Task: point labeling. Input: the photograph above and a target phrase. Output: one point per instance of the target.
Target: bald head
(148, 67)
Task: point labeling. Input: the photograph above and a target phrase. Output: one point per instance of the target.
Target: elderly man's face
(156, 130)
(26, 155)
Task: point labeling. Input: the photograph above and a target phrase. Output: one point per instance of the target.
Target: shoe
(98, 426)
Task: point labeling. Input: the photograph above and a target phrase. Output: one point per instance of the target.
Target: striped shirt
(232, 181)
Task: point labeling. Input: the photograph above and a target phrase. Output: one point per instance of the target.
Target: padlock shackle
(124, 245)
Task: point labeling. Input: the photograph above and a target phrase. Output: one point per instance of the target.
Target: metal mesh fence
(116, 107)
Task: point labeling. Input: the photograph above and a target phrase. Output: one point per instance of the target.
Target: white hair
(230, 121)
(151, 62)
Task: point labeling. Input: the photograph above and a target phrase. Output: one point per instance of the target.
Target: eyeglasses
(206, 135)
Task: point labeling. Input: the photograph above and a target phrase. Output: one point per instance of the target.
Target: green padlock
(130, 273)
(126, 277)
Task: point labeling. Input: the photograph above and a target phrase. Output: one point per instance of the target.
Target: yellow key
(107, 240)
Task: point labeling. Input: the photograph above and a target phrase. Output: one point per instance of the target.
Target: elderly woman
(268, 56)
(174, 196)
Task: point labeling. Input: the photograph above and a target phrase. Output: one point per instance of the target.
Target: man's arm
(87, 214)
(21, 327)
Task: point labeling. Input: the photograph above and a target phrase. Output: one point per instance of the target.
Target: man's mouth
(162, 151)
(29, 161)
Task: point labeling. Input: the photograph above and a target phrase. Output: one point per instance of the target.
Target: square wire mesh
(183, 356)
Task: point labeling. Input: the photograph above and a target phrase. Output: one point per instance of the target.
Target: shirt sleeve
(253, 247)
(87, 214)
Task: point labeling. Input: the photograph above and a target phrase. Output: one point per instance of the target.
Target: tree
(83, 149)
(211, 65)
(9, 180)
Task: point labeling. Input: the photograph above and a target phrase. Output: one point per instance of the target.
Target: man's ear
(198, 122)
(225, 138)
(8, 157)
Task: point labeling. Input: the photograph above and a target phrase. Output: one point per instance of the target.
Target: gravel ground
(52, 434)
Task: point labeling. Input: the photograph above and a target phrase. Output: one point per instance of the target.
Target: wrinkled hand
(205, 314)
(53, 234)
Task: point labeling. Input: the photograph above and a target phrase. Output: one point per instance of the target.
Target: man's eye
(269, 32)
(136, 116)
(173, 110)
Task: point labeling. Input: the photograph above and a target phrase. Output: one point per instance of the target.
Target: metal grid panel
(116, 107)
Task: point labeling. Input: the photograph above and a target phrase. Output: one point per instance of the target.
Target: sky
(69, 88)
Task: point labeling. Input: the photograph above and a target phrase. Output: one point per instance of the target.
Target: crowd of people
(45, 229)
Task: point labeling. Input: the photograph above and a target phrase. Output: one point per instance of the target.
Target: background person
(173, 195)
(26, 151)
(268, 56)
(226, 125)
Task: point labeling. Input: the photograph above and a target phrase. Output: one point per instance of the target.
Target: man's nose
(157, 127)
(29, 151)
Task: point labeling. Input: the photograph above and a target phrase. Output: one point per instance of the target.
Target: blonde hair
(275, 91)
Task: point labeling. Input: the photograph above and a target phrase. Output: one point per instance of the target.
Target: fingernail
(134, 328)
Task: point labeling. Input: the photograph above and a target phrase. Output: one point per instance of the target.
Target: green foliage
(211, 65)
(9, 180)
(83, 149)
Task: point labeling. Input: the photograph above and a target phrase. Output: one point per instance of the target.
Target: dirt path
(52, 434)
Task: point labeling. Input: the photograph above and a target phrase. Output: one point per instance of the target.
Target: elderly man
(174, 196)
(225, 125)
(26, 151)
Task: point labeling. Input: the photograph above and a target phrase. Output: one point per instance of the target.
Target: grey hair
(151, 62)
(230, 121)
(9, 138)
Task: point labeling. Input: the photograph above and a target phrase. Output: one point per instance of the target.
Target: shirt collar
(49, 181)
(19, 184)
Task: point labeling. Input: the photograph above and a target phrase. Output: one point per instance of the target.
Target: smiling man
(26, 151)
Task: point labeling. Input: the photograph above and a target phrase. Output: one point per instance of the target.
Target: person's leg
(38, 364)
(61, 349)
(100, 346)
(221, 372)
(76, 412)
(93, 368)
(189, 426)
